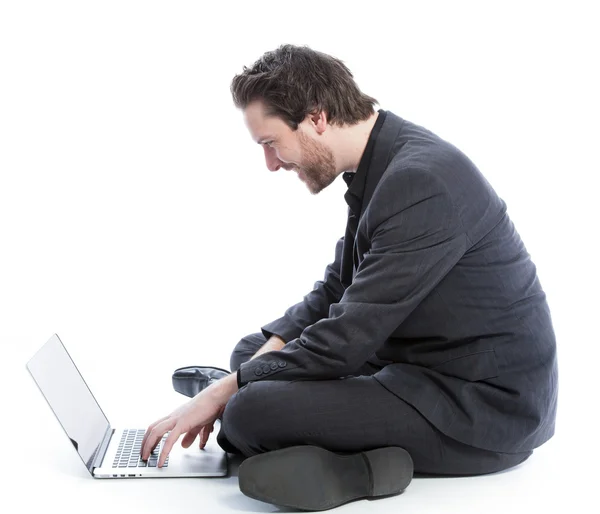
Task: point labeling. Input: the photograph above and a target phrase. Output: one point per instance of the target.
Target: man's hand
(205, 432)
(192, 417)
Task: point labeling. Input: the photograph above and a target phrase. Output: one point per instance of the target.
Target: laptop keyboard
(130, 446)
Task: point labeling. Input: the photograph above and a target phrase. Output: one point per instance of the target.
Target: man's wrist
(274, 343)
(225, 388)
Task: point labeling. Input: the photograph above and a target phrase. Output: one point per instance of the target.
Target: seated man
(429, 341)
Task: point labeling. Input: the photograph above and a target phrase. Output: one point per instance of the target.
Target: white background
(138, 219)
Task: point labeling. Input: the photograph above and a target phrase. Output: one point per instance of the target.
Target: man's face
(298, 150)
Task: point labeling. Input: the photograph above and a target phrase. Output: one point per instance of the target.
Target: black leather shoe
(313, 478)
(190, 380)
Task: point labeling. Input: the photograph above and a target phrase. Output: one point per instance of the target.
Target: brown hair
(294, 81)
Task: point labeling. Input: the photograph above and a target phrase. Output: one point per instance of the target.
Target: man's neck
(352, 142)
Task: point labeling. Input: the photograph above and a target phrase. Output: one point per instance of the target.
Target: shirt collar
(356, 181)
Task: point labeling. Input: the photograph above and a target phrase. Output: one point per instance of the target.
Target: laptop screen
(70, 398)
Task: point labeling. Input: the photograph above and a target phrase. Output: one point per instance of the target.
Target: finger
(190, 437)
(166, 449)
(206, 434)
(155, 435)
(149, 429)
(204, 437)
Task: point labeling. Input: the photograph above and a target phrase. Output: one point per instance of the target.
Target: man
(429, 341)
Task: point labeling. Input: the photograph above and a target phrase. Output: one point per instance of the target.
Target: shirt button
(282, 364)
(258, 372)
(274, 366)
(266, 368)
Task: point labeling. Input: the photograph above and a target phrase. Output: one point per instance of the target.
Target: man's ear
(318, 119)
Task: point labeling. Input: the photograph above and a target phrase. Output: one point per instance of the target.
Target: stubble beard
(319, 164)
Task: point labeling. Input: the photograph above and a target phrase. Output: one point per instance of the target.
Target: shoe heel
(391, 470)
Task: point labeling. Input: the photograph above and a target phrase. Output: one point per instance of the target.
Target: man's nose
(273, 163)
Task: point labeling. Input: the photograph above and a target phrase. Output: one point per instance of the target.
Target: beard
(318, 165)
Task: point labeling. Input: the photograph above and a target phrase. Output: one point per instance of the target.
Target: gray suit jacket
(442, 290)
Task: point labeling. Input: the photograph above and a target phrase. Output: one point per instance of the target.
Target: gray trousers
(345, 415)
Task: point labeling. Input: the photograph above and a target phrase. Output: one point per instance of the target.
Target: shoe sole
(313, 478)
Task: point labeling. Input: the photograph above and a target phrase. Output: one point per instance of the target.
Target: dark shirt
(354, 197)
(356, 181)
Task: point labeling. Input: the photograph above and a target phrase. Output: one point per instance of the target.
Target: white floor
(41, 471)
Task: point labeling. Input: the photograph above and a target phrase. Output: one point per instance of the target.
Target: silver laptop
(110, 452)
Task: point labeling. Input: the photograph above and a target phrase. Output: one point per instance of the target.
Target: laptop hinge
(101, 451)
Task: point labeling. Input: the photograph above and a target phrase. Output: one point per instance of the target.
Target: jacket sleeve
(314, 306)
(416, 238)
